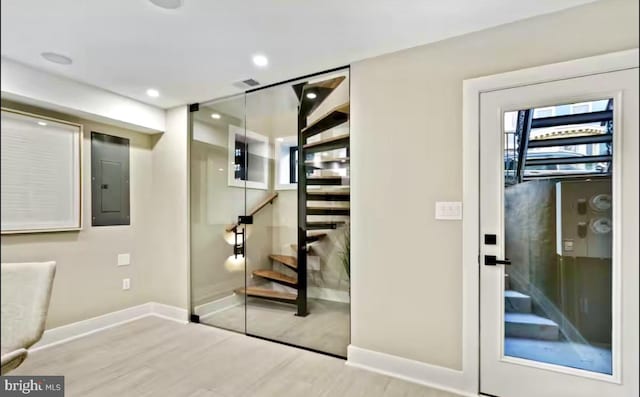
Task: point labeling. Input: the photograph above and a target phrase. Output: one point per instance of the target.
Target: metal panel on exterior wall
(109, 180)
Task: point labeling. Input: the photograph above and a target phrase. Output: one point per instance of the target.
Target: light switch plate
(448, 210)
(124, 259)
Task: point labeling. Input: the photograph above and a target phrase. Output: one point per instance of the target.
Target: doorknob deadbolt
(490, 239)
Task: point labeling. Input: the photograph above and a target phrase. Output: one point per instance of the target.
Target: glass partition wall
(217, 199)
(280, 157)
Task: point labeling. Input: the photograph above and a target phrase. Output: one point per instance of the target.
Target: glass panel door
(559, 223)
(558, 234)
(298, 251)
(218, 156)
(279, 156)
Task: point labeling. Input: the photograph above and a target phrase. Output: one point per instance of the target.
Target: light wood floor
(326, 328)
(157, 357)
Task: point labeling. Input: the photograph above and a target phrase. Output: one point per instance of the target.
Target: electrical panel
(109, 180)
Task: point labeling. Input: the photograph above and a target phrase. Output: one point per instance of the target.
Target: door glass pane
(558, 234)
(297, 265)
(219, 157)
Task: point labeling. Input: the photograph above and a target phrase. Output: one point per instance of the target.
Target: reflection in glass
(558, 234)
(281, 155)
(215, 204)
(283, 280)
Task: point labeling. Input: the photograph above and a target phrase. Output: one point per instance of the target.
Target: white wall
(88, 282)
(407, 153)
(168, 237)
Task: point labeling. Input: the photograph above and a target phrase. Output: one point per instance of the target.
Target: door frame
(472, 88)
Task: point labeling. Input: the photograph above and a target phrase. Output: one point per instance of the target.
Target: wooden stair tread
(313, 237)
(328, 211)
(320, 225)
(333, 160)
(333, 141)
(334, 117)
(328, 180)
(330, 193)
(330, 83)
(327, 177)
(321, 89)
(266, 293)
(273, 275)
(314, 207)
(290, 261)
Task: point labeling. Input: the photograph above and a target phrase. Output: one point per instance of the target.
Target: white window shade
(40, 174)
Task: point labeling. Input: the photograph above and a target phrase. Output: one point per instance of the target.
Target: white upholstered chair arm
(26, 291)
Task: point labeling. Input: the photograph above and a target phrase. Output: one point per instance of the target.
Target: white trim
(329, 294)
(208, 309)
(262, 151)
(286, 141)
(471, 199)
(169, 312)
(79, 329)
(78, 175)
(433, 376)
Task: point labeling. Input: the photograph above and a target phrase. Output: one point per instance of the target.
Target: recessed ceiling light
(280, 139)
(42, 123)
(260, 60)
(168, 4)
(57, 58)
(215, 116)
(312, 95)
(153, 93)
(220, 169)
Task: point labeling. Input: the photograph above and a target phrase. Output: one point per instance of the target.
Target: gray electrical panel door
(109, 180)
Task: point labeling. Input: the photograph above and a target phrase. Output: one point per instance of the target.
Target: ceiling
(195, 53)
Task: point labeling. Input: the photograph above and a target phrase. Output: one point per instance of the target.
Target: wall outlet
(126, 283)
(124, 259)
(448, 210)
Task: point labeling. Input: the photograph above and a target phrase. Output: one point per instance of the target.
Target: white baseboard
(329, 294)
(210, 308)
(433, 376)
(69, 332)
(169, 312)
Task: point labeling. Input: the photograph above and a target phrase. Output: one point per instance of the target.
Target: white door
(561, 317)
